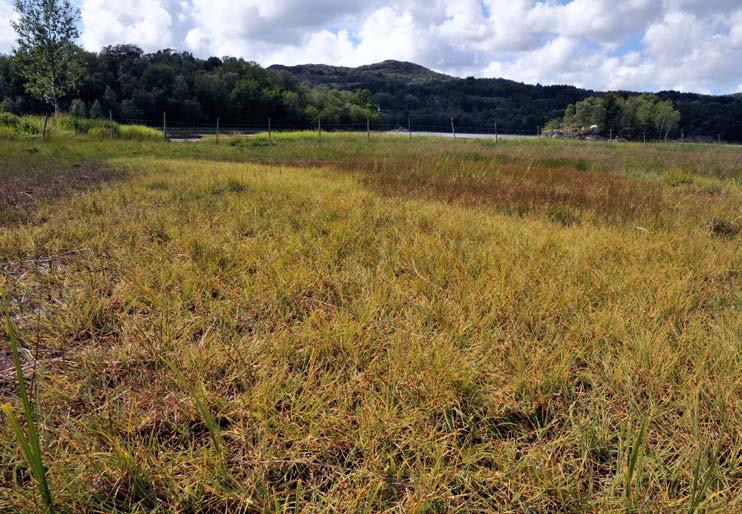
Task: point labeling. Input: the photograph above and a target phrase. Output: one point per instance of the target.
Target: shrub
(80, 125)
(99, 133)
(9, 120)
(96, 110)
(139, 133)
(12, 126)
(8, 132)
(78, 108)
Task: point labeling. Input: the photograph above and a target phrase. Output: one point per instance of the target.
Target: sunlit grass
(363, 326)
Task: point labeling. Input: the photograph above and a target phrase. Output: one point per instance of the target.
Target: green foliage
(590, 111)
(99, 133)
(46, 53)
(139, 133)
(9, 120)
(80, 125)
(628, 116)
(12, 126)
(96, 110)
(78, 108)
(28, 441)
(137, 85)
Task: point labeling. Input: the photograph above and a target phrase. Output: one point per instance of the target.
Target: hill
(402, 89)
(342, 77)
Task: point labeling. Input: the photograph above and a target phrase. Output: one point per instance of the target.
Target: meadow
(391, 325)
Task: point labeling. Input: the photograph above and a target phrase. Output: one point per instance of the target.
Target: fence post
(718, 138)
(368, 128)
(270, 135)
(682, 137)
(610, 136)
(409, 127)
(164, 125)
(43, 130)
(453, 129)
(538, 132)
(644, 137)
(495, 132)
(217, 130)
(319, 127)
(110, 123)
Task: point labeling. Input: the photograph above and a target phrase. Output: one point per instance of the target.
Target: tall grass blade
(698, 490)
(634, 459)
(29, 444)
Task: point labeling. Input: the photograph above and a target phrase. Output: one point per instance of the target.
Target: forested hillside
(405, 89)
(139, 86)
(136, 85)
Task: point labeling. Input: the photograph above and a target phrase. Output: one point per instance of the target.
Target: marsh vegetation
(354, 326)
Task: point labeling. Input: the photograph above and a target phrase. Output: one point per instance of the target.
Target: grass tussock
(348, 326)
(68, 127)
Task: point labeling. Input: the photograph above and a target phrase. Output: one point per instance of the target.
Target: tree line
(49, 71)
(622, 116)
(141, 86)
(405, 90)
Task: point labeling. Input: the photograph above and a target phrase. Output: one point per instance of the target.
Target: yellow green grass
(425, 326)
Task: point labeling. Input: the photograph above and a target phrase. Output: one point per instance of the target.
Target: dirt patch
(32, 285)
(22, 191)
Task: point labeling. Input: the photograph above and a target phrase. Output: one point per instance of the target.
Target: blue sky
(647, 45)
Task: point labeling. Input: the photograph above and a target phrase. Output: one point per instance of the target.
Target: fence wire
(195, 130)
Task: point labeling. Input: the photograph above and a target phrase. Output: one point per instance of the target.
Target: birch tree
(47, 55)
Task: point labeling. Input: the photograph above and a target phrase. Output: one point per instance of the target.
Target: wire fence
(186, 130)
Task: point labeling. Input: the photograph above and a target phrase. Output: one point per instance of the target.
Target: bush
(96, 110)
(100, 133)
(139, 133)
(13, 126)
(9, 120)
(78, 108)
(80, 125)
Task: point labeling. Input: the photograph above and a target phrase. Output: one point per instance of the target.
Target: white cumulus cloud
(629, 44)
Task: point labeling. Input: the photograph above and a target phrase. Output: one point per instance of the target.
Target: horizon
(639, 45)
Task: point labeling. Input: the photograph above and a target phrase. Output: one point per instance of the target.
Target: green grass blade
(29, 444)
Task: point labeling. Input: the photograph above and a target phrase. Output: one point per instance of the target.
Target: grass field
(354, 326)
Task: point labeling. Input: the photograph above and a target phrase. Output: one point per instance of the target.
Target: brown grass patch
(22, 191)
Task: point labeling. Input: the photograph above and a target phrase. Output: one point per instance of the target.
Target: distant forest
(141, 86)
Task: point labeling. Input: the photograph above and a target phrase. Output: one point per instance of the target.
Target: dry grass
(427, 327)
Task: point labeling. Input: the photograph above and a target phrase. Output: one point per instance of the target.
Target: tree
(666, 118)
(96, 110)
(569, 115)
(589, 112)
(47, 55)
(110, 100)
(77, 108)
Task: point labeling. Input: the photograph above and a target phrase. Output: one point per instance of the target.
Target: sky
(641, 45)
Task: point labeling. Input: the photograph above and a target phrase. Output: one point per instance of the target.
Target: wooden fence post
(270, 135)
(164, 125)
(43, 130)
(453, 129)
(319, 127)
(110, 123)
(368, 128)
(217, 130)
(409, 127)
